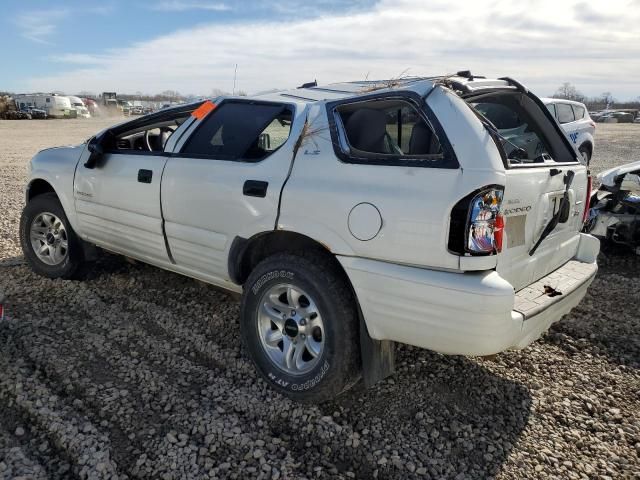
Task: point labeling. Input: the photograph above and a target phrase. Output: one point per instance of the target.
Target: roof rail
(514, 83)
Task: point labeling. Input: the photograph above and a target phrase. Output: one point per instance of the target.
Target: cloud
(39, 25)
(77, 58)
(427, 37)
(182, 5)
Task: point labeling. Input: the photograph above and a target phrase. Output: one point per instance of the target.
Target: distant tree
(241, 93)
(217, 92)
(607, 99)
(86, 94)
(171, 94)
(569, 92)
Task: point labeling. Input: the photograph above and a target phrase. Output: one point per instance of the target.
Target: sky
(193, 46)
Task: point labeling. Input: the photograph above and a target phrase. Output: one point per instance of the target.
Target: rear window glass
(565, 113)
(522, 130)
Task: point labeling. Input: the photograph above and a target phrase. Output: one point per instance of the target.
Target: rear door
(537, 159)
(224, 181)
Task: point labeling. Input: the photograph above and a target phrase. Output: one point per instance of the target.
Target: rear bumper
(474, 313)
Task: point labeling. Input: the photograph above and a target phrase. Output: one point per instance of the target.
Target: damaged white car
(441, 212)
(614, 216)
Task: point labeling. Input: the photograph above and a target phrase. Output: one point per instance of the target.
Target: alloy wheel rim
(290, 329)
(49, 239)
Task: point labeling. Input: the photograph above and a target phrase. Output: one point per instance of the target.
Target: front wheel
(299, 325)
(49, 244)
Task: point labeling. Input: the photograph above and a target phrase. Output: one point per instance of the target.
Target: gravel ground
(137, 372)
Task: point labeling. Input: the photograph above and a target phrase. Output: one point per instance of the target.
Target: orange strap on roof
(204, 110)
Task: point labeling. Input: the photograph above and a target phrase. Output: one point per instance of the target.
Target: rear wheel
(50, 245)
(299, 325)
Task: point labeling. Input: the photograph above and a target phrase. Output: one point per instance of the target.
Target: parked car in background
(619, 117)
(81, 108)
(576, 122)
(440, 212)
(92, 106)
(614, 215)
(34, 113)
(125, 105)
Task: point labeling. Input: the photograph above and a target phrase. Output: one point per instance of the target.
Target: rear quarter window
(396, 130)
(578, 112)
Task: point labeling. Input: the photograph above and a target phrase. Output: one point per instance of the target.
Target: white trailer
(56, 106)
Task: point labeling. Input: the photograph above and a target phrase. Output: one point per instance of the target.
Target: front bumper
(474, 313)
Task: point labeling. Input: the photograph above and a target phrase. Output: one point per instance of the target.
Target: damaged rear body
(614, 216)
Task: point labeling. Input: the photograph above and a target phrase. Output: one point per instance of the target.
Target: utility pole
(235, 73)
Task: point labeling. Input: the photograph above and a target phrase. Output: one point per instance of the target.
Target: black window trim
(449, 160)
(285, 106)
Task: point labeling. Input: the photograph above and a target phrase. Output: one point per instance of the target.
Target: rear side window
(578, 112)
(241, 130)
(565, 113)
(524, 133)
(387, 129)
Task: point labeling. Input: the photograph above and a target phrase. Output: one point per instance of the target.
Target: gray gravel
(138, 373)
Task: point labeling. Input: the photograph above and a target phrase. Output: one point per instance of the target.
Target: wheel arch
(246, 253)
(378, 357)
(38, 186)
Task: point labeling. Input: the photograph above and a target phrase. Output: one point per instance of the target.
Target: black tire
(338, 367)
(585, 151)
(71, 265)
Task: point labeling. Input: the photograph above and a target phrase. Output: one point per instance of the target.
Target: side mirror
(96, 149)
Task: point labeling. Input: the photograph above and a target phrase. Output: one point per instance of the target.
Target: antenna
(235, 73)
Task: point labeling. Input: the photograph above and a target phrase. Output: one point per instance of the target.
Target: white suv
(576, 122)
(440, 212)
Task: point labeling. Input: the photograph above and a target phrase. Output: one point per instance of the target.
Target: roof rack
(309, 84)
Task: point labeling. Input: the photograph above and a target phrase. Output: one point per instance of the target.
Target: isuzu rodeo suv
(440, 212)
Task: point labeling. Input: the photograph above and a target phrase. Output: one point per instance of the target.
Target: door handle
(255, 188)
(144, 176)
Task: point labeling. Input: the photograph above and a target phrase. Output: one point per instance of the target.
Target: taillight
(485, 224)
(587, 202)
(476, 227)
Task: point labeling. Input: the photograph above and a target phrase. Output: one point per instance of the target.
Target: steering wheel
(161, 139)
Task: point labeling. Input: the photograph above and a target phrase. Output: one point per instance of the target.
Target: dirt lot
(137, 372)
